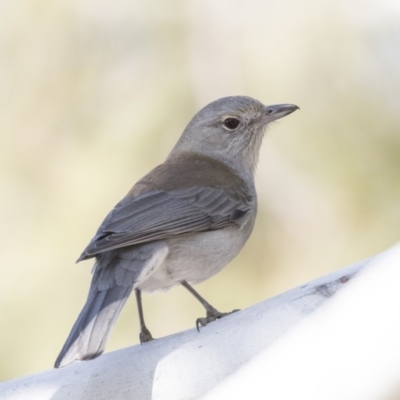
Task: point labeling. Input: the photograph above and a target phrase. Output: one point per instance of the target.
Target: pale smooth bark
(334, 338)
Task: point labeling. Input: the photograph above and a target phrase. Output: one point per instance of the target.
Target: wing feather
(158, 214)
(210, 196)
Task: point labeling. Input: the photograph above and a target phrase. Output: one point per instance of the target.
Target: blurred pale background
(95, 93)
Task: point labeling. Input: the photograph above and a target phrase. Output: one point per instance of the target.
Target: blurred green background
(93, 94)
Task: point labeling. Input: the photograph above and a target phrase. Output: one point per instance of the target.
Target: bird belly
(197, 257)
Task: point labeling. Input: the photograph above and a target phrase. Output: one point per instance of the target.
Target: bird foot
(211, 316)
(145, 336)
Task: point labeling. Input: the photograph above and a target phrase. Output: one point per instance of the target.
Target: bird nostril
(270, 111)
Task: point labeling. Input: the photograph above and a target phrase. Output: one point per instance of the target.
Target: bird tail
(90, 332)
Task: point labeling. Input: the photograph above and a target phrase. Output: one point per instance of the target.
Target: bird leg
(212, 313)
(145, 335)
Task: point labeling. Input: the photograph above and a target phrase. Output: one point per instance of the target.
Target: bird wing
(160, 214)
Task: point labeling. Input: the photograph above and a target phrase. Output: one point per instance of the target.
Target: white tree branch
(334, 338)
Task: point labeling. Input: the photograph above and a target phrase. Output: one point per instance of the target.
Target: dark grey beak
(278, 111)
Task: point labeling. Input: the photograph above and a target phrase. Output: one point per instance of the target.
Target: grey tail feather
(90, 332)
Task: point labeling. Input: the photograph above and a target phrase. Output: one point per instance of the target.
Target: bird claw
(145, 336)
(211, 316)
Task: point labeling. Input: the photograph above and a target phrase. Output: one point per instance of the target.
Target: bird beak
(271, 113)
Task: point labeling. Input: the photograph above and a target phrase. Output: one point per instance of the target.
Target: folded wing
(159, 214)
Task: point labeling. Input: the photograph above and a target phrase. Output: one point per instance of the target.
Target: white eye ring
(231, 123)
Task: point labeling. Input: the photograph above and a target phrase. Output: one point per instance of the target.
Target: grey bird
(181, 223)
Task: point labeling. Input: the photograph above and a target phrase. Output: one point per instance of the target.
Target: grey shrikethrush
(181, 223)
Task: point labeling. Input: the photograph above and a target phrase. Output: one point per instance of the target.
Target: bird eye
(231, 123)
